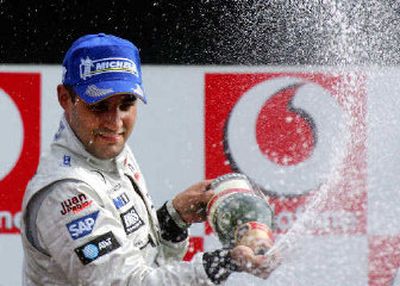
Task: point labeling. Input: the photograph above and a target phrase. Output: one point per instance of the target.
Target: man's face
(104, 127)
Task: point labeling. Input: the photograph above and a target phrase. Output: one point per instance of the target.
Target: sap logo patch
(82, 226)
(131, 221)
(96, 248)
(121, 201)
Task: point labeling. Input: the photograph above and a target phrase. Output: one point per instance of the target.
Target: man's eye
(126, 106)
(98, 107)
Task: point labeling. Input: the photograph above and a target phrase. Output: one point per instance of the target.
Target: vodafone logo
(294, 134)
(11, 125)
(20, 144)
(286, 134)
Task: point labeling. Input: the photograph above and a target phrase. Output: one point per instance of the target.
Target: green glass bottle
(238, 213)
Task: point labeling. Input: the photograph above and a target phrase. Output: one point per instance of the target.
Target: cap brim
(95, 92)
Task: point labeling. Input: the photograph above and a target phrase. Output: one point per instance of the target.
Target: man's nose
(113, 119)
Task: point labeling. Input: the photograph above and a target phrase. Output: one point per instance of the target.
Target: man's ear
(64, 98)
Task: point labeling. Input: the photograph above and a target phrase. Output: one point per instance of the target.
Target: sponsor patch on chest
(121, 200)
(131, 221)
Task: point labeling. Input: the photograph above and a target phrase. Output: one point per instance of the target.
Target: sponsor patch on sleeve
(75, 204)
(97, 247)
(82, 226)
(131, 221)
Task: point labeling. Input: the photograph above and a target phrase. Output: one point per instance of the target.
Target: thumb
(243, 257)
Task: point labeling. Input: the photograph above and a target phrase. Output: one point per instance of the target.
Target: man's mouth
(110, 137)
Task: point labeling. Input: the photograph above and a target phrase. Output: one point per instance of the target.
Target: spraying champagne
(239, 214)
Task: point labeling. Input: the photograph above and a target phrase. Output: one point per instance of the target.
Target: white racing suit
(91, 222)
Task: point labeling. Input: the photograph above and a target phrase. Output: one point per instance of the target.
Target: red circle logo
(12, 125)
(20, 117)
(287, 134)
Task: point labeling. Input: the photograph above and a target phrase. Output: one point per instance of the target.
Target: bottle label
(245, 228)
(235, 203)
(255, 235)
(223, 187)
(217, 198)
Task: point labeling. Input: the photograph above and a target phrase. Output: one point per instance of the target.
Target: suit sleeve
(91, 247)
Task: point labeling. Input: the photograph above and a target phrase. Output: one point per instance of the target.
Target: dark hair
(71, 92)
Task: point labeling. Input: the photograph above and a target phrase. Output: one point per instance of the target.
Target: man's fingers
(208, 182)
(243, 257)
(191, 203)
(273, 261)
(203, 185)
(258, 265)
(207, 196)
(207, 193)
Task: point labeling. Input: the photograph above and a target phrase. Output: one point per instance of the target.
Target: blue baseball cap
(98, 66)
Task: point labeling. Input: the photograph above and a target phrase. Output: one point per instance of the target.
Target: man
(88, 218)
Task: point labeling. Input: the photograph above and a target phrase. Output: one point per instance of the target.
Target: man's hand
(257, 265)
(191, 203)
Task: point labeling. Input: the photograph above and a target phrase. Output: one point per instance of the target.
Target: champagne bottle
(239, 213)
